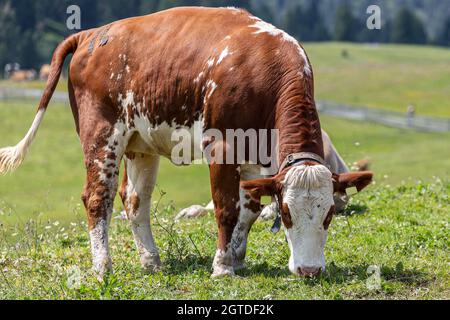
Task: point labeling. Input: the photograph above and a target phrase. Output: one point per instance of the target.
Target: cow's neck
(298, 123)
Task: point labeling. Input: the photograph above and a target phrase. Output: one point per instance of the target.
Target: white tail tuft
(12, 157)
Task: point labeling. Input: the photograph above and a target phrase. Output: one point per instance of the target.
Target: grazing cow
(23, 75)
(135, 82)
(334, 162)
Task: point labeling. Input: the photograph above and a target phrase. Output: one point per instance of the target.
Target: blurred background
(383, 94)
(30, 30)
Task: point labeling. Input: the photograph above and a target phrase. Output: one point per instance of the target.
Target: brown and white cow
(134, 82)
(334, 162)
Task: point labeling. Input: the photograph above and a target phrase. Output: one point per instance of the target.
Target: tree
(25, 13)
(443, 38)
(293, 22)
(306, 24)
(265, 12)
(148, 6)
(25, 44)
(112, 10)
(166, 4)
(314, 25)
(9, 34)
(377, 36)
(346, 25)
(408, 28)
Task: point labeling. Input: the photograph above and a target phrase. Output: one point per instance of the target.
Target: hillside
(386, 76)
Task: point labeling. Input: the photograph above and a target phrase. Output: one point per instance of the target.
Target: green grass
(35, 84)
(400, 224)
(384, 77)
(402, 231)
(51, 180)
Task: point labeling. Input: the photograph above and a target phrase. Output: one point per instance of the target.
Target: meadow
(381, 76)
(398, 226)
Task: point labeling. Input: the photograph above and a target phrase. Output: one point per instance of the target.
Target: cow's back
(219, 66)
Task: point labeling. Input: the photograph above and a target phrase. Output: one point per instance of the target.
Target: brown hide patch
(360, 180)
(253, 205)
(329, 218)
(123, 186)
(134, 202)
(286, 216)
(225, 193)
(96, 204)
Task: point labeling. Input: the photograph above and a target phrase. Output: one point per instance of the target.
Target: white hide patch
(159, 138)
(234, 10)
(141, 180)
(269, 212)
(225, 53)
(264, 27)
(210, 62)
(309, 196)
(308, 177)
(199, 77)
(246, 216)
(99, 248)
(222, 264)
(211, 86)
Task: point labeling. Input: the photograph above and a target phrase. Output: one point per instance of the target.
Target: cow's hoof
(240, 265)
(100, 271)
(151, 263)
(222, 272)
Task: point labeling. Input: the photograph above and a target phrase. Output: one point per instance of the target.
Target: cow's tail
(12, 157)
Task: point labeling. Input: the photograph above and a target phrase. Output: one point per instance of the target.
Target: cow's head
(305, 196)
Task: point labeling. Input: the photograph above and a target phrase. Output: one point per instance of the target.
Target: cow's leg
(225, 192)
(249, 213)
(103, 152)
(136, 191)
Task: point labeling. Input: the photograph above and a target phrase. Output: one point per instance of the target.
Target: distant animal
(333, 160)
(44, 72)
(23, 75)
(10, 68)
(136, 82)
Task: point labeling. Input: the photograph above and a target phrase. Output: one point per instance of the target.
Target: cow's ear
(360, 180)
(362, 165)
(261, 187)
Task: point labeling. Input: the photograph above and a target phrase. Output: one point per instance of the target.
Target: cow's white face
(308, 206)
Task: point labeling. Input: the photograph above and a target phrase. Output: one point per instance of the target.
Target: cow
(334, 162)
(23, 75)
(135, 82)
